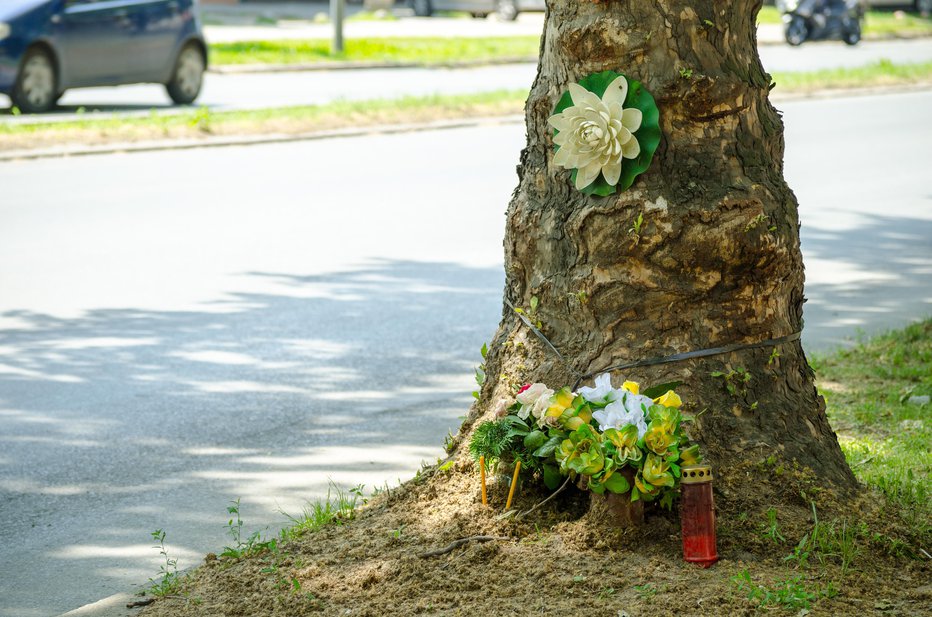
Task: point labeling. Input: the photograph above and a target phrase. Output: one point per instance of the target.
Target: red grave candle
(697, 515)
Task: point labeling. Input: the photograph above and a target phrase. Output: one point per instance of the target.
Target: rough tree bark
(717, 259)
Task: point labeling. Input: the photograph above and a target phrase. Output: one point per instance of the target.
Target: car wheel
(422, 8)
(853, 35)
(188, 75)
(796, 31)
(36, 88)
(507, 9)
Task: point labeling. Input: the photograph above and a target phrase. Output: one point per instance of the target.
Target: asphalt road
(180, 329)
(244, 91)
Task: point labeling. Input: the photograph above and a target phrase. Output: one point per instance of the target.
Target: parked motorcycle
(817, 20)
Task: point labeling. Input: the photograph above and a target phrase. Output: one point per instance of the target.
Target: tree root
(551, 496)
(457, 543)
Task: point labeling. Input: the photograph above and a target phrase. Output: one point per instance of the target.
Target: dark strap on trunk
(678, 357)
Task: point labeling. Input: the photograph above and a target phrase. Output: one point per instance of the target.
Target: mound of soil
(562, 560)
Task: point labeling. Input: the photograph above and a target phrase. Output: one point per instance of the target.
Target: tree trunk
(716, 261)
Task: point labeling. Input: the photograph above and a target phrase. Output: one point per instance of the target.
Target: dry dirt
(558, 560)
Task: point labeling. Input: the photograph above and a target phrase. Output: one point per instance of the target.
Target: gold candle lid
(695, 474)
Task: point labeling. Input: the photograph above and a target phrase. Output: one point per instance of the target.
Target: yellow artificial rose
(666, 418)
(654, 474)
(657, 439)
(670, 399)
(625, 441)
(559, 403)
(690, 456)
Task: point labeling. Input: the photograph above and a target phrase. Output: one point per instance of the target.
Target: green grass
(421, 50)
(793, 594)
(876, 23)
(884, 435)
(337, 508)
(886, 23)
(439, 50)
(880, 73)
(200, 122)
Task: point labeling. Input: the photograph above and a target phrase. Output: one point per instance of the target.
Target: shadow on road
(870, 278)
(124, 421)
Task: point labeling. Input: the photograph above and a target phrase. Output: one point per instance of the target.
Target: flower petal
(631, 149)
(586, 175)
(582, 97)
(559, 122)
(612, 171)
(564, 157)
(616, 92)
(631, 119)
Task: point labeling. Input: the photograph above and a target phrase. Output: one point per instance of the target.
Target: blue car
(49, 46)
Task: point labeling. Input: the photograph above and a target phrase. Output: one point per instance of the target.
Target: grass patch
(882, 73)
(202, 122)
(421, 50)
(879, 24)
(438, 50)
(337, 508)
(884, 24)
(875, 398)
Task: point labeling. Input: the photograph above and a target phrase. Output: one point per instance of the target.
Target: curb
(232, 69)
(252, 140)
(111, 606)
(384, 129)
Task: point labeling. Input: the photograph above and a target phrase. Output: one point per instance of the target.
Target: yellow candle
(482, 475)
(514, 483)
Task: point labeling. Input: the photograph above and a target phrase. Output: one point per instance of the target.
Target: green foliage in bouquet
(593, 436)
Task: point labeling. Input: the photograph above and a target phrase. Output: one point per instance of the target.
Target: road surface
(245, 91)
(181, 329)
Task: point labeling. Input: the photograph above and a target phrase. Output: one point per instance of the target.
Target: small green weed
(635, 230)
(771, 528)
(791, 594)
(836, 541)
(480, 371)
(202, 119)
(645, 591)
(735, 380)
(252, 545)
(169, 580)
(337, 508)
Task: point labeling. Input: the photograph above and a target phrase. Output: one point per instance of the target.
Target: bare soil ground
(560, 561)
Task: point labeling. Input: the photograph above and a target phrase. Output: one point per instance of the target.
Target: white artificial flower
(619, 414)
(596, 133)
(534, 392)
(539, 410)
(602, 392)
(532, 398)
(638, 403)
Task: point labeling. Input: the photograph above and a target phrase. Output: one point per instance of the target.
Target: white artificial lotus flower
(594, 134)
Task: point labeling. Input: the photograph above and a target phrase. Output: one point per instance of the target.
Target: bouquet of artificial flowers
(599, 434)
